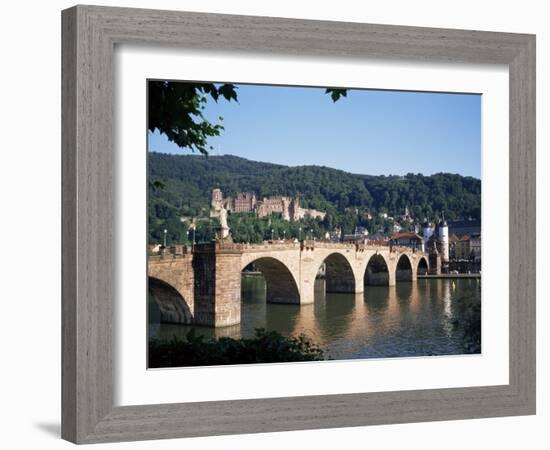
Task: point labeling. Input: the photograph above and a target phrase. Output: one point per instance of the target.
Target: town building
(410, 240)
(468, 247)
(475, 246)
(359, 235)
(361, 230)
(462, 248)
(378, 238)
(453, 239)
(335, 235)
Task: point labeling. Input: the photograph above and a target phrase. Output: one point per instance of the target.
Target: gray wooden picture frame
(89, 36)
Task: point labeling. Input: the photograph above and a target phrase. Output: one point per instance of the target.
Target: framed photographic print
(268, 222)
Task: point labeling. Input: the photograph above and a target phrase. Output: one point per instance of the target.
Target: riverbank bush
(470, 325)
(264, 347)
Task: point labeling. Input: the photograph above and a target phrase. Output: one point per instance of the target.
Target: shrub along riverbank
(470, 325)
(264, 347)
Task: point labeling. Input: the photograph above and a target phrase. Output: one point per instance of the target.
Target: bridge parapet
(172, 251)
(218, 247)
(231, 247)
(271, 245)
(402, 249)
(167, 257)
(331, 245)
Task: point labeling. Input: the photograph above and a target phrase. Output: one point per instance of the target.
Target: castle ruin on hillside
(247, 202)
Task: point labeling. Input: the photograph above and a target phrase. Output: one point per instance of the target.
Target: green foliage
(470, 322)
(176, 110)
(347, 198)
(251, 229)
(264, 347)
(336, 93)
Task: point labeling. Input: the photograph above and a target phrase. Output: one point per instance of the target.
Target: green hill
(189, 179)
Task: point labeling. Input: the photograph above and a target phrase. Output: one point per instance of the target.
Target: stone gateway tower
(444, 245)
(428, 232)
(436, 242)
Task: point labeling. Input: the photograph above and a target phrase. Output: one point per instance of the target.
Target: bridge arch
(172, 305)
(281, 286)
(339, 276)
(404, 269)
(377, 272)
(423, 267)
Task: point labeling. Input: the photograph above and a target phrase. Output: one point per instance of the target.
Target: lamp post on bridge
(164, 242)
(300, 233)
(272, 235)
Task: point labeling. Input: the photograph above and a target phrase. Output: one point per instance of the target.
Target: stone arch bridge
(203, 285)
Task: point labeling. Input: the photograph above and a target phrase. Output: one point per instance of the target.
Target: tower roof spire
(443, 222)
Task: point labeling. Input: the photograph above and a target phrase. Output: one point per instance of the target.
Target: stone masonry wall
(228, 289)
(204, 265)
(177, 271)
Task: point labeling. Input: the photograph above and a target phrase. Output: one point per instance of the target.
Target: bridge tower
(217, 290)
(428, 232)
(444, 242)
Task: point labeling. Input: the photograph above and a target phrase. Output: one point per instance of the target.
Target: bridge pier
(392, 279)
(307, 291)
(217, 285)
(415, 271)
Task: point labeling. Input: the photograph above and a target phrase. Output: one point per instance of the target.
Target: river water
(410, 319)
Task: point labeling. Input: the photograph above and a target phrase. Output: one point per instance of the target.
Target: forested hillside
(187, 182)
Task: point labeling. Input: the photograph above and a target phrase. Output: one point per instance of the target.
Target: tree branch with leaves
(177, 111)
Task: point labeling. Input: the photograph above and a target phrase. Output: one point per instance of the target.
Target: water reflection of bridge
(203, 285)
(408, 319)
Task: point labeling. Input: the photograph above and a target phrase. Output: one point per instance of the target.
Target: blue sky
(368, 132)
